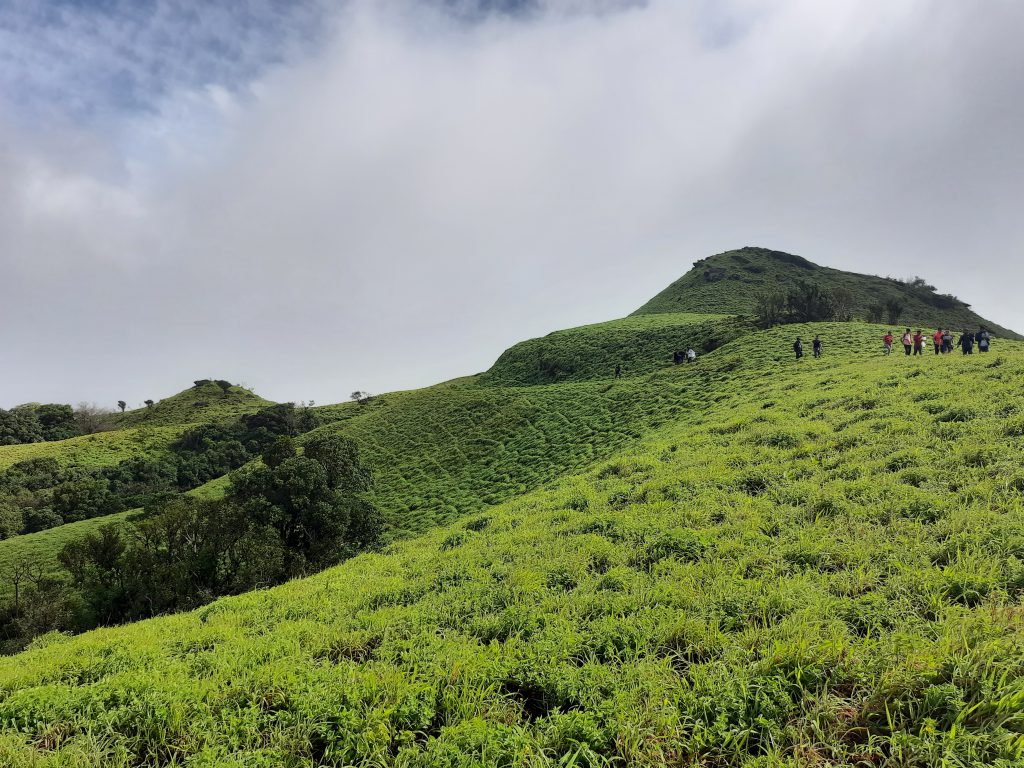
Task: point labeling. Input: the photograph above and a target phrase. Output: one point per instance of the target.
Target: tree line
(807, 302)
(288, 515)
(37, 494)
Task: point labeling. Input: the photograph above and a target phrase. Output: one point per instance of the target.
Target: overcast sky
(311, 197)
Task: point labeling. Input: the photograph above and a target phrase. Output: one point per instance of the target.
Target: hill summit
(731, 282)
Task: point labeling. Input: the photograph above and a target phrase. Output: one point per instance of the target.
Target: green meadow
(795, 563)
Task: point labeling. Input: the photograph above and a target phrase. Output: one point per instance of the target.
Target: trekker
(984, 338)
(887, 341)
(947, 341)
(817, 346)
(677, 357)
(691, 355)
(798, 347)
(967, 343)
(937, 338)
(618, 371)
(918, 342)
(908, 342)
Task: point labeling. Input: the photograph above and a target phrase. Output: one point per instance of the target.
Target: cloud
(408, 190)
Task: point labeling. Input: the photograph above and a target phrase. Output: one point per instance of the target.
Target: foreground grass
(822, 564)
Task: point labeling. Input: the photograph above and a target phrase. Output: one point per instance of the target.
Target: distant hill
(202, 403)
(731, 282)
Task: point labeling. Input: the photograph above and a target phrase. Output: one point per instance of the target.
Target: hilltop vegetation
(822, 563)
(204, 403)
(640, 345)
(732, 282)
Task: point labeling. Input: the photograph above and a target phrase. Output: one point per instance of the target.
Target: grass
(640, 345)
(103, 449)
(196, 405)
(801, 564)
(731, 282)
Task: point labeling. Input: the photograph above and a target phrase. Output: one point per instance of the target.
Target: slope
(640, 345)
(823, 565)
(103, 449)
(203, 403)
(730, 282)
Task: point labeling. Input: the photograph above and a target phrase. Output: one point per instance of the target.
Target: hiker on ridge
(983, 339)
(908, 342)
(798, 348)
(816, 346)
(887, 341)
(937, 338)
(967, 343)
(918, 342)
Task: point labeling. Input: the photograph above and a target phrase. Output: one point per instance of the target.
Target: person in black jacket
(966, 342)
(798, 348)
(983, 338)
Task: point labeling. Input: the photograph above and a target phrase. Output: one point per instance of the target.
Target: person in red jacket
(887, 340)
(918, 342)
(937, 338)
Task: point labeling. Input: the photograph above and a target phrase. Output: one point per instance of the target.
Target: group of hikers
(684, 357)
(913, 343)
(798, 347)
(942, 340)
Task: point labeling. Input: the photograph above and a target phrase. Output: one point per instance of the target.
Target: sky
(312, 197)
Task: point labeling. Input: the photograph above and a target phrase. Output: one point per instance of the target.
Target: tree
(148, 403)
(57, 421)
(769, 309)
(361, 397)
(83, 499)
(225, 386)
(894, 308)
(843, 303)
(808, 303)
(122, 405)
(91, 418)
(278, 452)
(876, 312)
(19, 425)
(201, 383)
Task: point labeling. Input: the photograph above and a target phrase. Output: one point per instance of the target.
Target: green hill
(103, 449)
(810, 563)
(640, 345)
(748, 560)
(730, 282)
(201, 404)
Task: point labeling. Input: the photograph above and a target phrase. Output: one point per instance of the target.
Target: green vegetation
(103, 449)
(640, 345)
(814, 563)
(734, 281)
(748, 560)
(203, 403)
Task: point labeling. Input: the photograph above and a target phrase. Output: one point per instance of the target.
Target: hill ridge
(731, 282)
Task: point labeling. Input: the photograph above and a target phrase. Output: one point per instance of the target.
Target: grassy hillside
(639, 344)
(813, 563)
(201, 404)
(731, 282)
(103, 449)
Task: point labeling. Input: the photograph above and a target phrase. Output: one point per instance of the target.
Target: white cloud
(417, 192)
